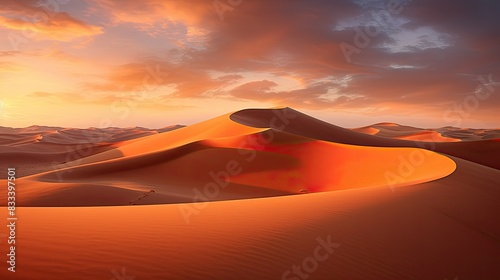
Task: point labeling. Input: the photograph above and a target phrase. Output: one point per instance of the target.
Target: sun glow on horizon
(153, 64)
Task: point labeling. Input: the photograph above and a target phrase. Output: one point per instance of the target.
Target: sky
(153, 63)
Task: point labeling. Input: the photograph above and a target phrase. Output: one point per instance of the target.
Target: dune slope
(261, 164)
(256, 194)
(435, 230)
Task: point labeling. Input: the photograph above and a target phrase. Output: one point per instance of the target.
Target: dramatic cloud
(42, 20)
(149, 75)
(372, 57)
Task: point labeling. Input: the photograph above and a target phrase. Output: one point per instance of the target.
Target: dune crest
(268, 161)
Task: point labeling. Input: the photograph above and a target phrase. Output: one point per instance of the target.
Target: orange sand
(247, 195)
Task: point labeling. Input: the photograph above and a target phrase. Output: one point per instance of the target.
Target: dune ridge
(269, 162)
(251, 195)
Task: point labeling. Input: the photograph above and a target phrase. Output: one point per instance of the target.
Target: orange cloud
(149, 75)
(182, 49)
(110, 99)
(38, 22)
(190, 13)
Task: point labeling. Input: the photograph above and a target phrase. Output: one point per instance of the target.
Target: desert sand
(250, 195)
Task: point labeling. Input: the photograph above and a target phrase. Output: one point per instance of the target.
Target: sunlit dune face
(387, 124)
(214, 128)
(429, 136)
(367, 130)
(325, 166)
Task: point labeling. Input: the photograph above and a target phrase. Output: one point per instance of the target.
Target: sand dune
(367, 130)
(286, 165)
(37, 149)
(428, 136)
(392, 130)
(435, 230)
(249, 195)
(483, 152)
(444, 134)
(468, 134)
(269, 162)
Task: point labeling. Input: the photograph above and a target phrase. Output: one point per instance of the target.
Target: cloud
(8, 53)
(421, 59)
(69, 97)
(38, 21)
(149, 75)
(319, 95)
(112, 100)
(184, 23)
(285, 52)
(151, 11)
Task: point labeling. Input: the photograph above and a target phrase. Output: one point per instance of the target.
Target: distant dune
(41, 148)
(250, 195)
(392, 130)
(445, 134)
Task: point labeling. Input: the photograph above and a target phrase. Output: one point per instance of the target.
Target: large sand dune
(250, 195)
